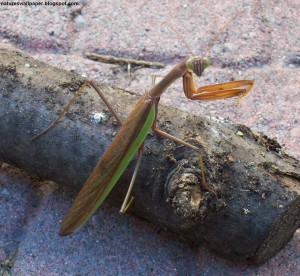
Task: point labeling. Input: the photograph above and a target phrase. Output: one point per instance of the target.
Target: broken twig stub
(124, 61)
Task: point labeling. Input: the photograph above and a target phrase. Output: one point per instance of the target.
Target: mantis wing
(111, 166)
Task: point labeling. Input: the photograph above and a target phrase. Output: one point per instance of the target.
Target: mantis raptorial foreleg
(238, 88)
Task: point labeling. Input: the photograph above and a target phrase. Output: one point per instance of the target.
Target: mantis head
(197, 64)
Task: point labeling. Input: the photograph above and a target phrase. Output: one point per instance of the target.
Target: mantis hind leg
(77, 94)
(111, 109)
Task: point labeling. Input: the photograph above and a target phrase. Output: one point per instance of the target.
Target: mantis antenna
(213, 40)
(182, 39)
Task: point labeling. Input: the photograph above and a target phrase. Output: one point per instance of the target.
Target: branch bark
(258, 206)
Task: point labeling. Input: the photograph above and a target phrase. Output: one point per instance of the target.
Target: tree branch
(258, 206)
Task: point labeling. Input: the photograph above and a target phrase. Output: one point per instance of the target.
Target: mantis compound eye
(206, 62)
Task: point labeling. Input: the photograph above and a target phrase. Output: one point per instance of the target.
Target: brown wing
(87, 201)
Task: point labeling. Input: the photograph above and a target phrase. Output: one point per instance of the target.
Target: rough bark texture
(257, 210)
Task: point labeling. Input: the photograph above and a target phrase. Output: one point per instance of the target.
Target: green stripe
(128, 156)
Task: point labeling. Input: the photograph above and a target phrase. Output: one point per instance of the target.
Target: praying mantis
(134, 130)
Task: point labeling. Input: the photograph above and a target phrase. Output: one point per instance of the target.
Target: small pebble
(5, 192)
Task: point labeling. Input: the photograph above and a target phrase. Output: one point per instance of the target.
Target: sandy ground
(261, 44)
